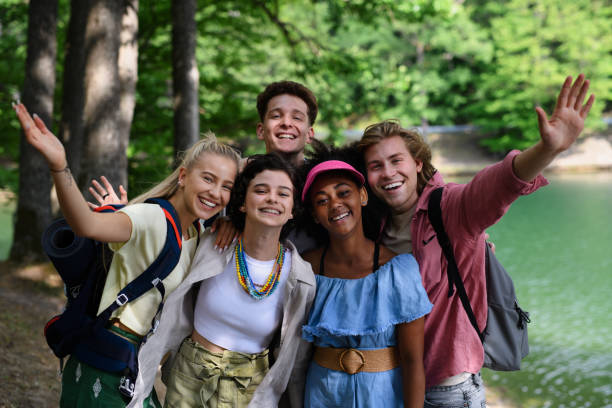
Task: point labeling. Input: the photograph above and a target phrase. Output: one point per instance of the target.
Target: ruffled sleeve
(392, 295)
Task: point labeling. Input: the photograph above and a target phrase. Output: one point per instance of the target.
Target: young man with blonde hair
(400, 173)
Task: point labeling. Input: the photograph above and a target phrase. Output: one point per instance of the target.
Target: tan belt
(352, 361)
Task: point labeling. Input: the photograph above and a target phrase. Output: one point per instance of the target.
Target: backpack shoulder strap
(165, 262)
(434, 212)
(150, 278)
(173, 219)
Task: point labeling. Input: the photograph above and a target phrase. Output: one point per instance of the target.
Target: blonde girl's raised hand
(106, 227)
(41, 138)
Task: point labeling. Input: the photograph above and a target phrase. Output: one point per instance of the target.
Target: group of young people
(353, 313)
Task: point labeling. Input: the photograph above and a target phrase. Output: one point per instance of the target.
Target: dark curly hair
(287, 88)
(255, 165)
(371, 215)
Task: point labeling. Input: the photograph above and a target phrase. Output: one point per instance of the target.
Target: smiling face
(392, 173)
(286, 128)
(269, 199)
(336, 203)
(207, 184)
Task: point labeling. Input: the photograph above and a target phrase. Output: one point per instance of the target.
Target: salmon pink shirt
(451, 343)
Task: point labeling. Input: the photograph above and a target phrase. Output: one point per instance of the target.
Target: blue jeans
(470, 393)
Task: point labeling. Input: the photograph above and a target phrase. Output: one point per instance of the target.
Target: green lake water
(557, 245)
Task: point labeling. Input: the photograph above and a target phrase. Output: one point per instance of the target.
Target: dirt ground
(29, 297)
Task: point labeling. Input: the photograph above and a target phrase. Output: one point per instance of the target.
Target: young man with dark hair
(287, 111)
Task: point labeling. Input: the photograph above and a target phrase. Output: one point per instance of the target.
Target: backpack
(505, 336)
(83, 264)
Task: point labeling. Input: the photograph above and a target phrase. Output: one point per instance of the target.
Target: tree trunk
(104, 152)
(73, 99)
(34, 206)
(128, 70)
(185, 75)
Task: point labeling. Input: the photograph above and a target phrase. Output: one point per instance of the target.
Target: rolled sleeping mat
(69, 253)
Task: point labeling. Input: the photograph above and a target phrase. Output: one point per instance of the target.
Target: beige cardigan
(288, 370)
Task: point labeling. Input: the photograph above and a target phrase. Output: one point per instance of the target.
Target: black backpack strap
(158, 270)
(434, 212)
(150, 278)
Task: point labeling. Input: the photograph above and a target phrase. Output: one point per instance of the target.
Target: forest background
(127, 83)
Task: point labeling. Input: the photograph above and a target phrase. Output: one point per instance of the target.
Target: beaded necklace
(245, 279)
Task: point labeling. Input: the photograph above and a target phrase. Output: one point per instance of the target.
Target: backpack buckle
(126, 387)
(122, 299)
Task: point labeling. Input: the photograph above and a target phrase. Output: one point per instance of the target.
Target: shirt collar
(434, 182)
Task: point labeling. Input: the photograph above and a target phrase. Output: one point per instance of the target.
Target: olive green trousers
(201, 378)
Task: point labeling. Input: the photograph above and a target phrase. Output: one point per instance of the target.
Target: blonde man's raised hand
(558, 132)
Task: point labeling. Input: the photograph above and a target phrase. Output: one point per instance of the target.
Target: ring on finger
(105, 195)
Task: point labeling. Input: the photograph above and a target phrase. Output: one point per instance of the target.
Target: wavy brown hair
(416, 145)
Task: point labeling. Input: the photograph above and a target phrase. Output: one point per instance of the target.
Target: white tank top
(229, 317)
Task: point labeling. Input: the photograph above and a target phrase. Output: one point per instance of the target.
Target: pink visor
(324, 167)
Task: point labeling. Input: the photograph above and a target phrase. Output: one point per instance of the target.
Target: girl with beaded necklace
(232, 329)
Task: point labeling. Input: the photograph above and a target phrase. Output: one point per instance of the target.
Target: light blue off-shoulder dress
(362, 314)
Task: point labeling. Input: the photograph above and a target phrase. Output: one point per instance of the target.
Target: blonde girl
(198, 189)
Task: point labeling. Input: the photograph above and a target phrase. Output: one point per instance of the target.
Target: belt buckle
(351, 369)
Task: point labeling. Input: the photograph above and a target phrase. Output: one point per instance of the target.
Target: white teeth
(208, 203)
(341, 216)
(271, 211)
(392, 185)
(285, 136)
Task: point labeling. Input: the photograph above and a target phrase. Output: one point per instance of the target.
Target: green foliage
(13, 44)
(13, 37)
(423, 62)
(536, 45)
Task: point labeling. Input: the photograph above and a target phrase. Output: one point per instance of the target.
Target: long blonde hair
(208, 144)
